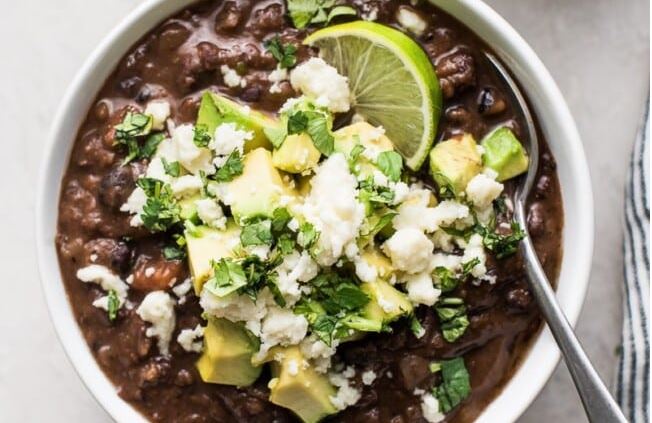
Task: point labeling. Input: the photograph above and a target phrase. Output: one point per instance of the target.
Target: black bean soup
(178, 61)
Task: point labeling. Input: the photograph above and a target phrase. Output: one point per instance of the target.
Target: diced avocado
(387, 303)
(369, 137)
(453, 163)
(226, 358)
(205, 244)
(188, 208)
(300, 388)
(377, 259)
(259, 190)
(297, 154)
(504, 153)
(216, 109)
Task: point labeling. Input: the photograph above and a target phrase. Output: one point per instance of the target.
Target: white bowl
(555, 119)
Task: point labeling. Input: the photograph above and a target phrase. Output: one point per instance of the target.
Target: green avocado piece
(215, 109)
(297, 154)
(387, 303)
(366, 135)
(453, 163)
(299, 387)
(189, 208)
(206, 244)
(259, 190)
(504, 154)
(226, 358)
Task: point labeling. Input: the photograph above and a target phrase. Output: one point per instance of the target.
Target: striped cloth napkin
(632, 383)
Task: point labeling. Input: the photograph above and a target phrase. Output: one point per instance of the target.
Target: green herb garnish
(285, 54)
(391, 164)
(232, 168)
(452, 316)
(161, 210)
(228, 277)
(257, 233)
(307, 236)
(113, 305)
(455, 386)
(201, 136)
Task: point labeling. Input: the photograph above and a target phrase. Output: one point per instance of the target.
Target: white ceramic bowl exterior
(554, 118)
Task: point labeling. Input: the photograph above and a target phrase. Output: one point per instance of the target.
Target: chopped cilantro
(416, 327)
(201, 136)
(285, 55)
(434, 367)
(228, 276)
(257, 233)
(391, 164)
(174, 252)
(502, 245)
(161, 210)
(320, 130)
(374, 196)
(305, 12)
(173, 169)
(307, 236)
(467, 267)
(132, 127)
(445, 279)
(455, 386)
(232, 168)
(297, 122)
(339, 11)
(151, 144)
(113, 305)
(280, 219)
(452, 316)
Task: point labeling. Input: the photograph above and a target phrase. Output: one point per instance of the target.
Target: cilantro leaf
(113, 305)
(302, 11)
(307, 236)
(502, 245)
(339, 11)
(285, 55)
(151, 144)
(173, 169)
(319, 129)
(280, 219)
(297, 122)
(416, 327)
(228, 276)
(232, 168)
(452, 317)
(173, 252)
(132, 127)
(257, 233)
(161, 210)
(201, 136)
(455, 386)
(391, 164)
(445, 279)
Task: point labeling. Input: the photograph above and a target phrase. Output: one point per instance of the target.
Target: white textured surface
(597, 50)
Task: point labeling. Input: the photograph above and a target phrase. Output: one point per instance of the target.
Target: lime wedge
(392, 80)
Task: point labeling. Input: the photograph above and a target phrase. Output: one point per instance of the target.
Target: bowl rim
(476, 15)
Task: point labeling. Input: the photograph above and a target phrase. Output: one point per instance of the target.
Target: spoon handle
(598, 403)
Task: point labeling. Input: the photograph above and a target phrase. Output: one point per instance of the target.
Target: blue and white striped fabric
(632, 384)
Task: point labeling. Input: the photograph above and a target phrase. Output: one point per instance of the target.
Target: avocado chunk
(453, 163)
(387, 303)
(215, 110)
(226, 358)
(377, 259)
(366, 135)
(259, 190)
(300, 388)
(297, 154)
(206, 244)
(188, 208)
(504, 154)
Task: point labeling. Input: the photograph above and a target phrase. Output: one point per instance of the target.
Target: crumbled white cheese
(157, 308)
(421, 290)
(346, 394)
(411, 21)
(451, 262)
(409, 249)
(238, 308)
(276, 77)
(183, 288)
(229, 138)
(430, 408)
(333, 209)
(160, 112)
(106, 279)
(186, 185)
(318, 352)
(190, 156)
(260, 251)
(369, 12)
(368, 377)
(317, 79)
(415, 212)
(134, 205)
(475, 249)
(296, 267)
(364, 270)
(210, 212)
(231, 77)
(281, 327)
(482, 190)
(190, 339)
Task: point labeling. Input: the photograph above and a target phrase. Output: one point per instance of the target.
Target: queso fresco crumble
(304, 263)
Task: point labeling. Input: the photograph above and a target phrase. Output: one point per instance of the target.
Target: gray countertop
(597, 50)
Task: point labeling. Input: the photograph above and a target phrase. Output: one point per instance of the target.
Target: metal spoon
(598, 403)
